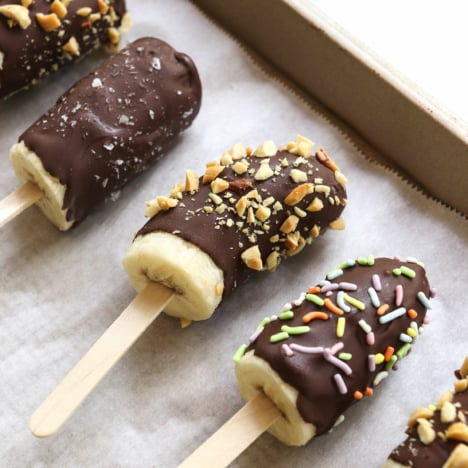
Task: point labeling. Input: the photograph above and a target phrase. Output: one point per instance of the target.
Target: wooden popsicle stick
(15, 203)
(231, 439)
(101, 357)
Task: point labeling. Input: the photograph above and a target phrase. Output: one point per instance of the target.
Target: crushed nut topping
(252, 258)
(18, 14)
(191, 181)
(72, 46)
(211, 172)
(426, 432)
(266, 149)
(48, 22)
(59, 9)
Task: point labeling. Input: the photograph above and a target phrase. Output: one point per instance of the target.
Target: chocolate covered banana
(437, 434)
(245, 214)
(38, 37)
(333, 345)
(107, 128)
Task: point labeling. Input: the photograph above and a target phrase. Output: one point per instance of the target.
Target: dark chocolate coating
(223, 243)
(32, 53)
(414, 453)
(112, 123)
(319, 401)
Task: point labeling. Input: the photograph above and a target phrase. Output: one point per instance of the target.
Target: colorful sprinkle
(295, 330)
(413, 260)
(371, 362)
(334, 274)
(376, 282)
(379, 377)
(405, 338)
(412, 332)
(340, 384)
(392, 315)
(265, 322)
(307, 349)
(370, 260)
(389, 353)
(391, 363)
(408, 272)
(398, 294)
(314, 299)
(424, 300)
(362, 261)
(239, 353)
(382, 309)
(374, 297)
(279, 337)
(403, 351)
(365, 326)
(345, 356)
(370, 339)
(347, 263)
(358, 395)
(314, 315)
(256, 334)
(288, 314)
(396, 272)
(341, 301)
(336, 362)
(299, 300)
(336, 347)
(412, 313)
(348, 286)
(354, 302)
(314, 290)
(287, 351)
(329, 287)
(379, 358)
(340, 327)
(369, 392)
(332, 307)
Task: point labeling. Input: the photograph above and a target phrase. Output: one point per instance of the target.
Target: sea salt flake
(97, 83)
(156, 63)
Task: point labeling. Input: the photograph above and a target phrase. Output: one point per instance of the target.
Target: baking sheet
(174, 388)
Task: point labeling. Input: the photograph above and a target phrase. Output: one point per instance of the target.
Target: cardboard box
(413, 133)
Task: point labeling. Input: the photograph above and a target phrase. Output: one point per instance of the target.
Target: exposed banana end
(167, 259)
(254, 374)
(394, 464)
(29, 168)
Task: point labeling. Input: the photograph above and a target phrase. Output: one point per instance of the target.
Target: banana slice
(29, 168)
(254, 374)
(166, 258)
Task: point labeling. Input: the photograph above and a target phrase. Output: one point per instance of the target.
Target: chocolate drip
(31, 53)
(112, 123)
(218, 229)
(414, 453)
(321, 401)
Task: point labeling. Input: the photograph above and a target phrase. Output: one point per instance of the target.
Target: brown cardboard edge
(390, 113)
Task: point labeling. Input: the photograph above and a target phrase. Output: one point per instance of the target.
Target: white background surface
(423, 40)
(60, 291)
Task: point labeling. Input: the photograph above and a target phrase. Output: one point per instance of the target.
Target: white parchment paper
(174, 388)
